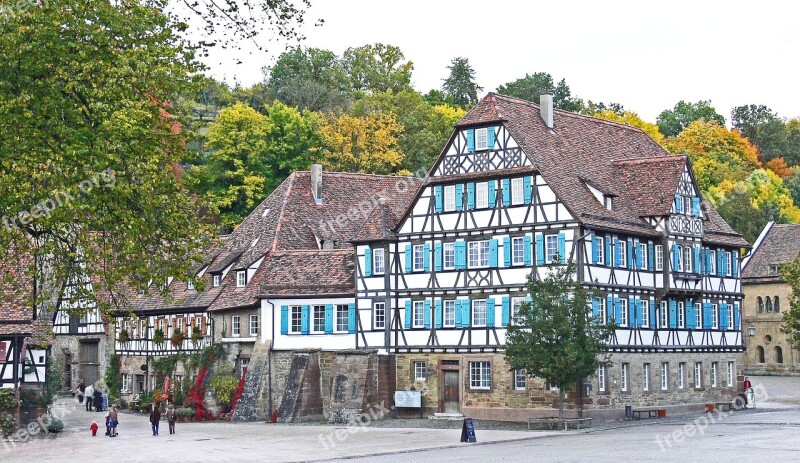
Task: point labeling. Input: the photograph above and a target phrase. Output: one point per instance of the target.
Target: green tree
(531, 87)
(764, 129)
(556, 338)
(460, 86)
(89, 142)
(738, 211)
(671, 122)
(792, 152)
(308, 78)
(790, 272)
(376, 68)
(793, 185)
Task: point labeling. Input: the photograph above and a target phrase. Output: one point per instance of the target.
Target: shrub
(55, 425)
(124, 336)
(223, 385)
(158, 336)
(186, 411)
(177, 338)
(7, 424)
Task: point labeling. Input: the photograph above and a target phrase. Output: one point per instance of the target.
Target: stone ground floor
(769, 433)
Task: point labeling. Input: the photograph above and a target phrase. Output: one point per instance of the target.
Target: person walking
(98, 399)
(113, 421)
(172, 417)
(155, 417)
(81, 390)
(89, 392)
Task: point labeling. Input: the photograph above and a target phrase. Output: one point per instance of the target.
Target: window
(728, 264)
(664, 315)
(481, 195)
(449, 198)
(664, 376)
(622, 253)
(341, 317)
(517, 193)
(646, 377)
(645, 313)
(243, 364)
(659, 257)
(236, 325)
(216, 280)
(714, 316)
(516, 303)
(643, 256)
(730, 316)
(179, 324)
(698, 375)
(601, 250)
(520, 379)
(698, 315)
(481, 139)
(760, 353)
(679, 263)
(760, 303)
(601, 378)
(778, 355)
(712, 263)
(449, 259)
(769, 304)
(139, 383)
(623, 379)
(449, 314)
(241, 278)
(687, 259)
(478, 313)
(419, 257)
(480, 375)
(777, 303)
(681, 375)
(418, 314)
(126, 382)
(378, 261)
(478, 254)
(681, 316)
(601, 310)
(623, 316)
(773, 269)
(517, 251)
(295, 315)
(608, 201)
(253, 325)
(420, 371)
(730, 374)
(379, 310)
(714, 366)
(551, 248)
(318, 324)
(190, 284)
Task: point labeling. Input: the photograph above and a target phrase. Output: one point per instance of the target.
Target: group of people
(155, 418)
(91, 395)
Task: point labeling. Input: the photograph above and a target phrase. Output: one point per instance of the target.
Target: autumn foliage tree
(632, 119)
(366, 143)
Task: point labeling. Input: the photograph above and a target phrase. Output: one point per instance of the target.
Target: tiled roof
(16, 293)
(309, 273)
(780, 245)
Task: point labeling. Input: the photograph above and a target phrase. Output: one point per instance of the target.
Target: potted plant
(158, 336)
(197, 334)
(124, 336)
(177, 338)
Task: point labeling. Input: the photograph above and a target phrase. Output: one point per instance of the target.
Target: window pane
(449, 198)
(380, 315)
(419, 313)
(518, 250)
(481, 195)
(479, 313)
(341, 318)
(551, 248)
(319, 319)
(449, 259)
(419, 257)
(378, 262)
(517, 194)
(449, 315)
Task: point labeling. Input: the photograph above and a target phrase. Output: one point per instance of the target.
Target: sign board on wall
(408, 399)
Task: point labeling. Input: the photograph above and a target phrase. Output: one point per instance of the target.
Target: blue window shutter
(639, 316)
(470, 141)
(493, 251)
(719, 263)
(459, 197)
(595, 309)
(426, 257)
(437, 193)
(409, 258)
(638, 254)
(691, 316)
(609, 251)
(631, 250)
(526, 189)
(735, 264)
(540, 249)
(617, 309)
(305, 316)
(653, 320)
(506, 192)
(673, 313)
(284, 319)
(562, 247)
(437, 256)
(696, 206)
(438, 318)
(490, 138)
(461, 254)
(610, 308)
(490, 311)
(470, 196)
(408, 314)
(723, 316)
(466, 317)
(492, 194)
(426, 317)
(506, 314)
(595, 251)
(675, 257)
(696, 266)
(678, 204)
(703, 261)
(507, 251)
(650, 256)
(458, 314)
(351, 317)
(368, 262)
(328, 318)
(707, 316)
(736, 315)
(526, 251)
(617, 262)
(631, 311)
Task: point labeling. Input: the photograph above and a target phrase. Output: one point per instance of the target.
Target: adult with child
(113, 421)
(155, 417)
(89, 393)
(172, 417)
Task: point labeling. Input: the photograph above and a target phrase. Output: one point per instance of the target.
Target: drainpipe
(269, 362)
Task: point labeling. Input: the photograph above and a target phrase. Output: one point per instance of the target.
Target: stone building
(766, 299)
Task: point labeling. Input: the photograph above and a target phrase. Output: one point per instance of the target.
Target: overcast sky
(644, 57)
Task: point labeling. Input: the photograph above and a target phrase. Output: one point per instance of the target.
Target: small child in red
(93, 427)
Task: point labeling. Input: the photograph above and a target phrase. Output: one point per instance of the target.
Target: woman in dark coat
(98, 400)
(155, 418)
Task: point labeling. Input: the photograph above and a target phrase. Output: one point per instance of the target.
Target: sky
(644, 55)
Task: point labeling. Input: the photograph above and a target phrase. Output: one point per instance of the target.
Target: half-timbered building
(519, 186)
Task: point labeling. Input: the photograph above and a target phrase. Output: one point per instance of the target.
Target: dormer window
(241, 278)
(190, 284)
(481, 139)
(608, 202)
(774, 269)
(216, 280)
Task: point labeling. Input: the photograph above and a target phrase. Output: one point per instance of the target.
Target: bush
(185, 412)
(7, 424)
(223, 385)
(55, 425)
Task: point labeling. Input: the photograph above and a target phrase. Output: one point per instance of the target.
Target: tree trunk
(561, 403)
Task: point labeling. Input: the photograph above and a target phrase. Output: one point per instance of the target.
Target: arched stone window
(760, 304)
(769, 304)
(777, 304)
(778, 354)
(760, 352)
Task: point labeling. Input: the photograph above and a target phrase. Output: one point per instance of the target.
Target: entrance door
(68, 372)
(450, 392)
(89, 363)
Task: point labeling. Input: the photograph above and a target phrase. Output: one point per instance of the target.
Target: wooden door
(450, 392)
(89, 362)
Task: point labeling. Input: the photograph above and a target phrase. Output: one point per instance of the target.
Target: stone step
(447, 416)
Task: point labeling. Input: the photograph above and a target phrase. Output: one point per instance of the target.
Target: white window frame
(449, 313)
(449, 202)
(516, 303)
(341, 312)
(480, 375)
(645, 313)
(622, 253)
(418, 314)
(236, 325)
(253, 325)
(714, 316)
(664, 315)
(448, 256)
(379, 315)
(378, 261)
(418, 257)
(643, 255)
(714, 371)
(664, 376)
(482, 195)
(241, 278)
(295, 319)
(518, 250)
(190, 284)
(712, 268)
(601, 378)
(679, 264)
(482, 139)
(730, 316)
(478, 254)
(623, 378)
(550, 248)
(687, 258)
(698, 375)
(479, 307)
(728, 264)
(315, 311)
(601, 250)
(517, 191)
(646, 377)
(681, 375)
(681, 315)
(602, 310)
(420, 371)
(659, 257)
(623, 316)
(126, 383)
(730, 373)
(520, 379)
(216, 280)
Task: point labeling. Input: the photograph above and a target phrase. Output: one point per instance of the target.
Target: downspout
(269, 363)
(387, 304)
(580, 275)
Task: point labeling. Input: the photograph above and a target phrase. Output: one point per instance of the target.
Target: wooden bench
(552, 422)
(637, 413)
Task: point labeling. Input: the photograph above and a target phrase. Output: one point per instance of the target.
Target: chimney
(546, 108)
(316, 182)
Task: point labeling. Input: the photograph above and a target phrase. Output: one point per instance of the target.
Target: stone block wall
(767, 335)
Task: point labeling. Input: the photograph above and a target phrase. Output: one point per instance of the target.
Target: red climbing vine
(238, 394)
(196, 396)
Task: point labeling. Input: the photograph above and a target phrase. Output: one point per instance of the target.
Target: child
(94, 427)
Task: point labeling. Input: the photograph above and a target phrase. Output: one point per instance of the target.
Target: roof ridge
(650, 159)
(357, 174)
(309, 251)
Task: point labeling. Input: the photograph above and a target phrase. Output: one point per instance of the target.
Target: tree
(632, 119)
(365, 143)
(531, 87)
(793, 185)
(308, 78)
(792, 153)
(763, 128)
(671, 122)
(556, 338)
(790, 272)
(738, 211)
(779, 167)
(460, 86)
(89, 144)
(376, 68)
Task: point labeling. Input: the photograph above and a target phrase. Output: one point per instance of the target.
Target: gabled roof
(309, 273)
(780, 245)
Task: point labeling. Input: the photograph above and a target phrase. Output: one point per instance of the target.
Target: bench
(553, 422)
(637, 413)
(722, 406)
